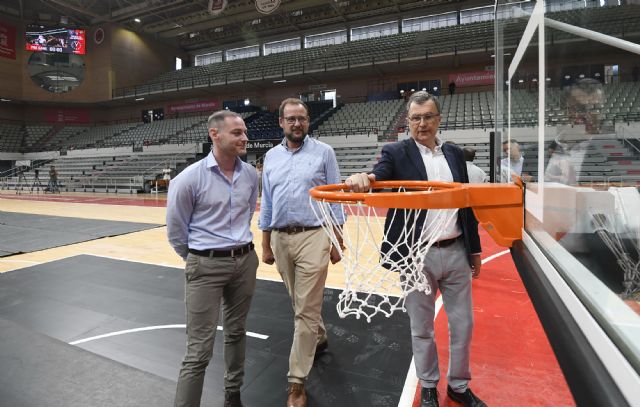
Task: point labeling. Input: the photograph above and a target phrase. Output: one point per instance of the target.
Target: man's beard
(292, 137)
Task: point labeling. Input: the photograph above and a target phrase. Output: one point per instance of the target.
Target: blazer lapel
(453, 163)
(415, 157)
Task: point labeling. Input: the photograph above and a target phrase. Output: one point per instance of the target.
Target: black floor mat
(24, 233)
(86, 296)
(39, 371)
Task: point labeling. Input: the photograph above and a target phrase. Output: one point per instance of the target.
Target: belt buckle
(292, 230)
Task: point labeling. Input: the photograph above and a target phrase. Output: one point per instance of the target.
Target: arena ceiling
(190, 25)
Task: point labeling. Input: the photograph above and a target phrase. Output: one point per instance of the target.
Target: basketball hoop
(381, 272)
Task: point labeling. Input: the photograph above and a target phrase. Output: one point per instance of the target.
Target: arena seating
(362, 118)
(128, 173)
(618, 21)
(35, 133)
(12, 136)
(95, 136)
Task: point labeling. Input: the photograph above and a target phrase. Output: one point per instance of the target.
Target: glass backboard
(568, 122)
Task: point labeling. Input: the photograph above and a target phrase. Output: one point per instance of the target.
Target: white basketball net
(377, 281)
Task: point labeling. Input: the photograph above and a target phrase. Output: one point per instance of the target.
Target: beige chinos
(302, 259)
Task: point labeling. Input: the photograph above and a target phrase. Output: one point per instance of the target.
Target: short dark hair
(217, 118)
(469, 153)
(421, 97)
(292, 101)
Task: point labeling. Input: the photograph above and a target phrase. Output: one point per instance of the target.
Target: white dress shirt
(438, 170)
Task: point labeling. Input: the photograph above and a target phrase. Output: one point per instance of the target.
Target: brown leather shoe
(297, 396)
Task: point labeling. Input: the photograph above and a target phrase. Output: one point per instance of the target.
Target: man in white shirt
(450, 263)
(512, 164)
(476, 174)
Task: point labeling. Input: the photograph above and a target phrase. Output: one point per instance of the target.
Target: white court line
(411, 382)
(495, 256)
(151, 328)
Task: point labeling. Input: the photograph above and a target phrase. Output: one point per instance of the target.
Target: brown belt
(447, 242)
(295, 229)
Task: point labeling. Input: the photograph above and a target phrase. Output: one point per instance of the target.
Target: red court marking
(512, 363)
(90, 200)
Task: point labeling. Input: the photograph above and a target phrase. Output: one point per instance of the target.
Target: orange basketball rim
(498, 207)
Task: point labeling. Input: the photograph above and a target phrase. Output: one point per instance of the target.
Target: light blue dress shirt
(288, 175)
(207, 211)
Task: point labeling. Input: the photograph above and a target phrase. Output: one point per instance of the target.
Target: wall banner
(217, 6)
(7, 41)
(259, 146)
(198, 106)
(463, 79)
(67, 115)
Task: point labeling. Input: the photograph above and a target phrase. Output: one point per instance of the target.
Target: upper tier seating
(362, 118)
(616, 21)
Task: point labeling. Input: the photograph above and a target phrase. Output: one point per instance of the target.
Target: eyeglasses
(292, 119)
(429, 117)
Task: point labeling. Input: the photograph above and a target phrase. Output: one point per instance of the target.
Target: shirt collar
(284, 143)
(211, 161)
(426, 150)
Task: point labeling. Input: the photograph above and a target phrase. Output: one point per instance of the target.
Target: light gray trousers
(447, 270)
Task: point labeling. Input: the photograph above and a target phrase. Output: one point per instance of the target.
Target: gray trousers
(447, 269)
(208, 281)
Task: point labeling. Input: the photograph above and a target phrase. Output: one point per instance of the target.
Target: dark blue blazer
(402, 161)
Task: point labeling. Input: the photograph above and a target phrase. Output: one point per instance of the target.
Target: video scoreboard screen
(67, 41)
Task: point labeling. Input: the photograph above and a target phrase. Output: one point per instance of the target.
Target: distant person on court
(293, 238)
(452, 88)
(449, 264)
(53, 180)
(476, 174)
(512, 163)
(259, 170)
(209, 209)
(583, 101)
(166, 173)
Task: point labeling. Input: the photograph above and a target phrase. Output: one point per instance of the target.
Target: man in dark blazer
(451, 261)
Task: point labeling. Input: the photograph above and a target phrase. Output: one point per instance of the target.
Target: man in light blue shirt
(293, 238)
(209, 210)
